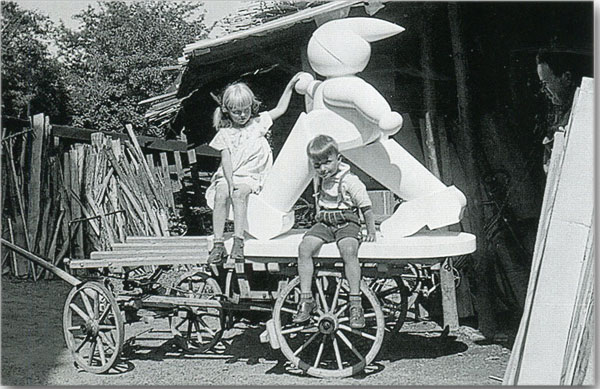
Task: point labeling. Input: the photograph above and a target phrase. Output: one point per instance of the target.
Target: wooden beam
(42, 262)
(448, 295)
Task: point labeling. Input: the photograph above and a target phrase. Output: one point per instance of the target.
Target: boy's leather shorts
(335, 225)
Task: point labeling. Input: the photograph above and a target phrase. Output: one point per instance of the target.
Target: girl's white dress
(251, 155)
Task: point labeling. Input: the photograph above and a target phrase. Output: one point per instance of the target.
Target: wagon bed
(387, 256)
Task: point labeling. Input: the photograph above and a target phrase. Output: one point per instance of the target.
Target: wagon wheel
(393, 297)
(93, 327)
(326, 346)
(199, 328)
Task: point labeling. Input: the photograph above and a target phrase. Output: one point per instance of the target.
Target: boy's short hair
(321, 147)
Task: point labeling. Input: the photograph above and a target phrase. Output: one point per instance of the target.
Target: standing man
(556, 72)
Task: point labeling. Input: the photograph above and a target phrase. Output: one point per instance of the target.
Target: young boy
(340, 196)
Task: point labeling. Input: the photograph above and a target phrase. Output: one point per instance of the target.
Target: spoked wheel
(93, 327)
(326, 346)
(199, 328)
(393, 296)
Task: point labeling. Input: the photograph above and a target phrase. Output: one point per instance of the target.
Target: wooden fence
(70, 191)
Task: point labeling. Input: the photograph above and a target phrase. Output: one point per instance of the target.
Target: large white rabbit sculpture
(351, 111)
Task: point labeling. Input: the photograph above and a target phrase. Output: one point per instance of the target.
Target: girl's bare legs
(240, 208)
(220, 210)
(218, 253)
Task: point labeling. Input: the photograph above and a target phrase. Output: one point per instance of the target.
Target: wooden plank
(165, 239)
(149, 253)
(174, 302)
(164, 162)
(554, 171)
(34, 182)
(76, 211)
(42, 262)
(581, 338)
(146, 142)
(448, 295)
(446, 170)
(191, 157)
(178, 164)
(570, 221)
(138, 261)
(15, 266)
(154, 246)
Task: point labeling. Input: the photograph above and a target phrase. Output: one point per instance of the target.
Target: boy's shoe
(218, 254)
(357, 316)
(305, 308)
(237, 250)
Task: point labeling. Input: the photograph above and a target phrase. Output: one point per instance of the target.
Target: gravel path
(34, 353)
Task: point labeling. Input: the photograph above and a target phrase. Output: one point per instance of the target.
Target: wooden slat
(174, 302)
(178, 164)
(161, 239)
(149, 253)
(164, 163)
(137, 261)
(448, 295)
(157, 245)
(34, 182)
(42, 262)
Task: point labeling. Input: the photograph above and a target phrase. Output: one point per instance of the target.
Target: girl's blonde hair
(236, 95)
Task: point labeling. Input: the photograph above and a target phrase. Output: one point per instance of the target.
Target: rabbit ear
(370, 29)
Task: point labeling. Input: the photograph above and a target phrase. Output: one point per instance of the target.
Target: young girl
(246, 158)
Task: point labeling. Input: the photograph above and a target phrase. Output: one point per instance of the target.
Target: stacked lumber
(554, 345)
(118, 192)
(32, 216)
(69, 201)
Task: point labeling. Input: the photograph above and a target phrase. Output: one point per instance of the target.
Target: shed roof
(166, 106)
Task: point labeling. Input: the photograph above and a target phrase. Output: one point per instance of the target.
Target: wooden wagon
(198, 299)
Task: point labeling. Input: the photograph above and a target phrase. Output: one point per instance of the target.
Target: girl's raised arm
(284, 101)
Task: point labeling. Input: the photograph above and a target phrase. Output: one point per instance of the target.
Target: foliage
(32, 81)
(114, 60)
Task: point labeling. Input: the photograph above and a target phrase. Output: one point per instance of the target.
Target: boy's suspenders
(317, 190)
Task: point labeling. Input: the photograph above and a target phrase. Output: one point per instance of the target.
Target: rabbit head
(341, 47)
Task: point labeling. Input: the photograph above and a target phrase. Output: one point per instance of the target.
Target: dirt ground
(34, 353)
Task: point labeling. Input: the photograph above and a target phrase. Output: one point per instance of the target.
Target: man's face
(556, 88)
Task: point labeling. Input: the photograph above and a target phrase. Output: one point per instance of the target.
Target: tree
(32, 80)
(114, 60)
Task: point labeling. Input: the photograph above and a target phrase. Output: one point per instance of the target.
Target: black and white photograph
(297, 193)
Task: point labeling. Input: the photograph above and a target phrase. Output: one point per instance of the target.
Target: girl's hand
(294, 80)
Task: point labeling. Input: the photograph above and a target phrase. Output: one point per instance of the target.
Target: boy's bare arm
(370, 221)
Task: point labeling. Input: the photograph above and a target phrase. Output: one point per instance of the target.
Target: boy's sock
(306, 296)
(355, 299)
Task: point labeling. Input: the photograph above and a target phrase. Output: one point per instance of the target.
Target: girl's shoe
(218, 254)
(237, 250)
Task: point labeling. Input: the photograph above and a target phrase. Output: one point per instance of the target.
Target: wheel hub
(327, 324)
(91, 328)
